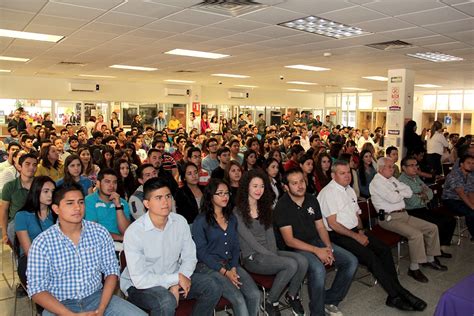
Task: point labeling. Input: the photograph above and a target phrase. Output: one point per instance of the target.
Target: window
(365, 101)
(455, 102)
(443, 101)
(469, 101)
(429, 102)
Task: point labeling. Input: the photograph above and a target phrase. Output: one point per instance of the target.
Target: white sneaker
(332, 310)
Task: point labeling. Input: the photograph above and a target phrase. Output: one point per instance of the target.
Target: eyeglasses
(222, 193)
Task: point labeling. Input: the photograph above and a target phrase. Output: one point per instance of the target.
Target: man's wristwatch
(119, 207)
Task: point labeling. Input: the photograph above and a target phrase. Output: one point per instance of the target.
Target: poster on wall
(197, 108)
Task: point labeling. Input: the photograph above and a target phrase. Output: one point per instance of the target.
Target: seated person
(57, 279)
(341, 217)
(388, 194)
(458, 192)
(157, 159)
(299, 221)
(217, 245)
(223, 156)
(106, 207)
(195, 156)
(144, 172)
(417, 204)
(189, 197)
(161, 258)
(257, 240)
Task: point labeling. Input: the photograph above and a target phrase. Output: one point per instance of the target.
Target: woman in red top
(204, 123)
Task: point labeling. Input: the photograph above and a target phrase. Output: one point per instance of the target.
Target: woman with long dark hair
(137, 123)
(306, 163)
(106, 160)
(73, 174)
(322, 171)
(41, 135)
(204, 123)
(33, 218)
(366, 172)
(272, 169)
(232, 175)
(132, 154)
(257, 240)
(126, 182)
(435, 147)
(411, 140)
(50, 165)
(189, 197)
(89, 169)
(250, 160)
(217, 246)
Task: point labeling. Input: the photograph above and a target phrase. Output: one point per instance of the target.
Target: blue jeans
(160, 301)
(116, 307)
(346, 265)
(246, 300)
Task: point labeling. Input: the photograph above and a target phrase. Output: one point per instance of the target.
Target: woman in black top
(411, 140)
(232, 175)
(137, 123)
(189, 197)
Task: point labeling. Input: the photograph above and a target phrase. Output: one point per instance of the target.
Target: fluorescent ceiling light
(179, 81)
(298, 90)
(96, 76)
(31, 36)
(316, 25)
(436, 57)
(195, 53)
(245, 86)
(302, 83)
(7, 58)
(377, 78)
(306, 67)
(133, 67)
(5, 70)
(427, 85)
(230, 76)
(353, 89)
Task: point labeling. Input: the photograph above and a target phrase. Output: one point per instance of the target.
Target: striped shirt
(56, 265)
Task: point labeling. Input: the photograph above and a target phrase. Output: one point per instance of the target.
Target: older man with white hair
(388, 196)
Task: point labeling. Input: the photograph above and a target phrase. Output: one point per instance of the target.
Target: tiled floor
(361, 300)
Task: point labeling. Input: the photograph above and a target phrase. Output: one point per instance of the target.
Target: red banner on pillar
(197, 108)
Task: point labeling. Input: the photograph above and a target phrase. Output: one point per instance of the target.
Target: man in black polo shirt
(223, 155)
(298, 217)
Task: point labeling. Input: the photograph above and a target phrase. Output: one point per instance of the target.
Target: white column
(194, 105)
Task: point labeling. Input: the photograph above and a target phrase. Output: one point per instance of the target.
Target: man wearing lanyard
(388, 194)
(341, 217)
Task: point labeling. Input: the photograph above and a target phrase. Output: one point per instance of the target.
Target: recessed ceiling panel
(439, 15)
(125, 19)
(353, 15)
(197, 17)
(397, 7)
(71, 11)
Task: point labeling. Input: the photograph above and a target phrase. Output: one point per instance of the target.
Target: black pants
(376, 256)
(446, 224)
(434, 160)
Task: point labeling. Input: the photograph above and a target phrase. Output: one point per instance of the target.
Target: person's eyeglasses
(222, 193)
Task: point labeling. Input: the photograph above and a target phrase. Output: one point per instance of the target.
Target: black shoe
(418, 275)
(399, 303)
(435, 265)
(295, 304)
(417, 303)
(445, 255)
(271, 310)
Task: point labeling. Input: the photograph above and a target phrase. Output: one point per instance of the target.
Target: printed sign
(393, 132)
(197, 108)
(448, 120)
(396, 79)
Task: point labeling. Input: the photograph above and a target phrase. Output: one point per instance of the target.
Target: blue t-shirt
(28, 221)
(85, 183)
(104, 213)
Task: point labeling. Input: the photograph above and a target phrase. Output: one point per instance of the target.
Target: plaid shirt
(67, 271)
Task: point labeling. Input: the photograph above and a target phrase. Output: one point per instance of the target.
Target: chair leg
(16, 299)
(398, 257)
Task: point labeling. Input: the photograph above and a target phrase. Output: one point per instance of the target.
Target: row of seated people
(218, 253)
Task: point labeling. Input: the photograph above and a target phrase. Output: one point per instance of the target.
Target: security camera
(219, 82)
(282, 78)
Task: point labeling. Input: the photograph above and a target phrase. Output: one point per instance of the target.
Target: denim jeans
(460, 208)
(288, 267)
(160, 301)
(116, 307)
(246, 300)
(346, 265)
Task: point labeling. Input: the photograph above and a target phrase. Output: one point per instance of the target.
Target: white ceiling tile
(55, 21)
(453, 2)
(240, 25)
(304, 38)
(198, 17)
(14, 18)
(275, 43)
(71, 11)
(124, 19)
(444, 14)
(452, 26)
(101, 4)
(147, 8)
(92, 35)
(353, 15)
(404, 34)
(171, 26)
(177, 3)
(48, 29)
(383, 25)
(397, 7)
(447, 46)
(246, 38)
(310, 7)
(108, 28)
(430, 40)
(275, 31)
(185, 38)
(467, 36)
(23, 5)
(211, 32)
(145, 33)
(467, 8)
(272, 15)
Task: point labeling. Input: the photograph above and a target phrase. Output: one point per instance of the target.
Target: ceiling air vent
(71, 63)
(186, 71)
(391, 45)
(229, 7)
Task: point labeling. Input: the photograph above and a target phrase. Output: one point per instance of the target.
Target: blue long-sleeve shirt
(215, 245)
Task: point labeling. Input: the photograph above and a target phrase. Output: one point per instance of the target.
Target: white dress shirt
(339, 200)
(388, 194)
(436, 144)
(155, 257)
(362, 141)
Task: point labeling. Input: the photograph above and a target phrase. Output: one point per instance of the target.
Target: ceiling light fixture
(302, 83)
(306, 67)
(5, 70)
(31, 36)
(195, 53)
(353, 89)
(96, 76)
(377, 78)
(245, 86)
(179, 81)
(297, 90)
(230, 76)
(8, 58)
(133, 67)
(316, 25)
(427, 85)
(436, 57)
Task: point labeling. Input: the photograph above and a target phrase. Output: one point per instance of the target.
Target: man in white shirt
(388, 194)
(161, 258)
(342, 220)
(365, 138)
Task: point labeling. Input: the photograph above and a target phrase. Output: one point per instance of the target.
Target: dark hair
(87, 170)
(192, 150)
(67, 176)
(25, 156)
(362, 177)
(13, 144)
(73, 137)
(389, 150)
(212, 139)
(104, 172)
(234, 140)
(151, 151)
(284, 178)
(208, 207)
(109, 138)
(464, 158)
(305, 157)
(323, 177)
(405, 160)
(125, 187)
(313, 137)
(134, 157)
(264, 204)
(227, 168)
(246, 155)
(154, 184)
(335, 149)
(32, 202)
(182, 170)
(222, 150)
(102, 161)
(97, 134)
(61, 191)
(296, 149)
(25, 137)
